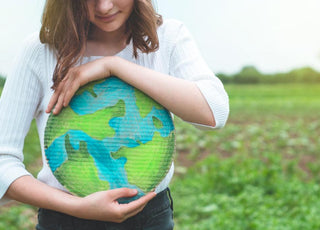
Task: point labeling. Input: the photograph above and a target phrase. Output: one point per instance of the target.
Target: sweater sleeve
(18, 105)
(186, 62)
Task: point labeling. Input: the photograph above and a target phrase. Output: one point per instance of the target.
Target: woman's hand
(77, 77)
(181, 97)
(104, 206)
(97, 206)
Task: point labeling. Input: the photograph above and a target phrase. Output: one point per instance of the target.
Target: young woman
(82, 41)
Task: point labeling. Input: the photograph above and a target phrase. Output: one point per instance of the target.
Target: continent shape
(79, 167)
(111, 135)
(147, 161)
(69, 120)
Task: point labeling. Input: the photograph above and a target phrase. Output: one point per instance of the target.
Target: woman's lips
(107, 18)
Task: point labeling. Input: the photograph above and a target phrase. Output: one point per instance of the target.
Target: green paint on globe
(140, 173)
(145, 103)
(110, 136)
(72, 171)
(97, 128)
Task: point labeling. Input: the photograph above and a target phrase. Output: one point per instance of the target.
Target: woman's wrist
(71, 205)
(111, 64)
(28, 190)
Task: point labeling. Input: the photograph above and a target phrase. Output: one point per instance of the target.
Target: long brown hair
(65, 27)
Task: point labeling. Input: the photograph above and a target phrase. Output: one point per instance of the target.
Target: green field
(260, 172)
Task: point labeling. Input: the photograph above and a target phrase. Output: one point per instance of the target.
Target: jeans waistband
(161, 201)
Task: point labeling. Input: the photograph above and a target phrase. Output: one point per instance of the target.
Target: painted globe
(110, 136)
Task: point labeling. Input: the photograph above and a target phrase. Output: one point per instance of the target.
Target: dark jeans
(157, 215)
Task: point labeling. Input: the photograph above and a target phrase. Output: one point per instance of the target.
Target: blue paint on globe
(131, 131)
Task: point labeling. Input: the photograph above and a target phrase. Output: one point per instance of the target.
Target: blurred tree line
(250, 75)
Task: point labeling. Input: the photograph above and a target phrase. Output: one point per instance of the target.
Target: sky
(273, 35)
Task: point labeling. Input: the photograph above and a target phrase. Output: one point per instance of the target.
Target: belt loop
(170, 197)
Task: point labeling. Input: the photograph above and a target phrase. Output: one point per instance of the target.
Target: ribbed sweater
(27, 92)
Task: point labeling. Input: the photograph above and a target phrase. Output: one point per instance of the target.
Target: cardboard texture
(110, 136)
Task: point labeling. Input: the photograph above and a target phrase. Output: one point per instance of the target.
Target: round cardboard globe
(110, 136)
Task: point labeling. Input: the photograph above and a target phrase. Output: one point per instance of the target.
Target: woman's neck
(101, 43)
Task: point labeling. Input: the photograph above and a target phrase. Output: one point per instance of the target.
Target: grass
(245, 193)
(15, 216)
(260, 172)
(291, 100)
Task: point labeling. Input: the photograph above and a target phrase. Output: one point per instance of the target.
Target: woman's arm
(181, 97)
(101, 206)
(18, 105)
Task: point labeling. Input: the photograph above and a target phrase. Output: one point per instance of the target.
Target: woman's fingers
(51, 103)
(59, 104)
(133, 212)
(76, 77)
(54, 98)
(71, 89)
(63, 95)
(122, 192)
(136, 206)
(104, 205)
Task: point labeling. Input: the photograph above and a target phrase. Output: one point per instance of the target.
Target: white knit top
(27, 92)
